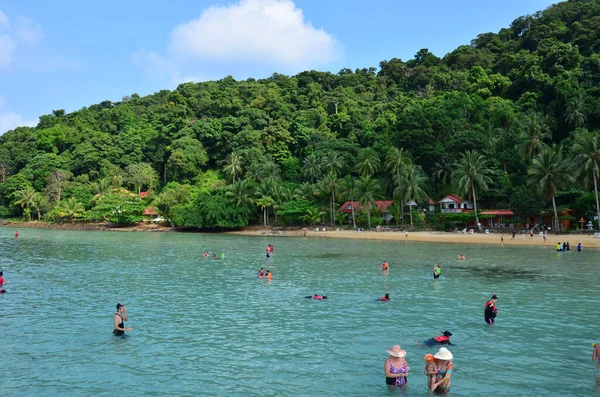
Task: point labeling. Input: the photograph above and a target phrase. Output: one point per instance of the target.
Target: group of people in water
(564, 247)
(214, 256)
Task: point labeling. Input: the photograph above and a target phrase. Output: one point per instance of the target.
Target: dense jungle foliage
(511, 120)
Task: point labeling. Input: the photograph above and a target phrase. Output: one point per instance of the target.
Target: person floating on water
(596, 358)
(206, 254)
(385, 298)
(385, 266)
(215, 256)
(317, 297)
(490, 310)
(261, 273)
(120, 318)
(461, 257)
(17, 234)
(443, 339)
(2, 283)
(437, 271)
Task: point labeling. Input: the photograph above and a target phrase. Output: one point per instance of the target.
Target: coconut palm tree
(550, 172)
(368, 162)
(240, 192)
(443, 173)
(586, 162)
(25, 198)
(233, 165)
(333, 163)
(39, 203)
(349, 184)
(328, 185)
(533, 135)
(312, 167)
(471, 173)
(396, 160)
(264, 203)
(305, 191)
(367, 189)
(413, 180)
(575, 113)
(71, 209)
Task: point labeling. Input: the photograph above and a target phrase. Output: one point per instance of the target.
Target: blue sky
(67, 54)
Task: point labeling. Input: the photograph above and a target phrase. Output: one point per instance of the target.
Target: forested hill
(399, 131)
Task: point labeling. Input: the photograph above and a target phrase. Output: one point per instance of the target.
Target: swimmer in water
(206, 254)
(443, 339)
(385, 298)
(261, 273)
(317, 297)
(461, 257)
(437, 271)
(385, 266)
(120, 318)
(17, 234)
(269, 276)
(2, 283)
(215, 256)
(596, 358)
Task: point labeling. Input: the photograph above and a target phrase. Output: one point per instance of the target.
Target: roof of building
(452, 197)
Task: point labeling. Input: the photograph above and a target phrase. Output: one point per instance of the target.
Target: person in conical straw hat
(444, 370)
(396, 368)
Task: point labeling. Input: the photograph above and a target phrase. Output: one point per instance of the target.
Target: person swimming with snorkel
(443, 339)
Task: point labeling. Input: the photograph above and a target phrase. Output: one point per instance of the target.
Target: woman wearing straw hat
(395, 367)
(444, 371)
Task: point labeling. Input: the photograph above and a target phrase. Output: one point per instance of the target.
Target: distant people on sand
(2, 283)
(437, 270)
(385, 266)
(461, 257)
(396, 368)
(502, 238)
(513, 235)
(444, 367)
(384, 298)
(443, 339)
(316, 297)
(490, 310)
(596, 358)
(119, 320)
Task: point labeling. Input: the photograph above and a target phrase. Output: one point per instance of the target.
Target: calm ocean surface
(208, 327)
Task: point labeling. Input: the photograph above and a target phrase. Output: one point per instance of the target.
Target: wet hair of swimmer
(447, 334)
(387, 296)
(119, 306)
(494, 297)
(1, 273)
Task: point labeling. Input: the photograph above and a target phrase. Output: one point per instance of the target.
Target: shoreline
(587, 241)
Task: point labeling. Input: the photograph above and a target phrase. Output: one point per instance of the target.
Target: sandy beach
(587, 241)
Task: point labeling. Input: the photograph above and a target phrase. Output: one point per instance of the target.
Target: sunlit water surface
(210, 327)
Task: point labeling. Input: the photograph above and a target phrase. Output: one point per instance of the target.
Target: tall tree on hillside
(39, 203)
(58, 181)
(140, 175)
(240, 192)
(367, 190)
(395, 162)
(471, 173)
(575, 113)
(312, 167)
(550, 172)
(368, 162)
(411, 189)
(586, 162)
(25, 198)
(350, 184)
(233, 165)
(264, 203)
(536, 130)
(333, 163)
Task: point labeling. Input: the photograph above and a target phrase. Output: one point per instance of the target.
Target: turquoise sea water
(210, 327)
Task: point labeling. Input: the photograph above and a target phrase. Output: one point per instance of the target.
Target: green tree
(312, 167)
(241, 193)
(368, 162)
(140, 175)
(25, 198)
(413, 181)
(575, 113)
(471, 173)
(368, 190)
(550, 172)
(39, 203)
(535, 132)
(349, 186)
(71, 209)
(233, 166)
(264, 203)
(586, 162)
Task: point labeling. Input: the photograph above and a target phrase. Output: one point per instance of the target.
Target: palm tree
(367, 189)
(328, 185)
(312, 167)
(575, 114)
(471, 173)
(234, 165)
(270, 171)
(313, 215)
(240, 192)
(333, 163)
(587, 161)
(305, 191)
(536, 130)
(413, 181)
(25, 198)
(368, 162)
(396, 160)
(443, 173)
(71, 209)
(350, 189)
(550, 172)
(264, 203)
(39, 203)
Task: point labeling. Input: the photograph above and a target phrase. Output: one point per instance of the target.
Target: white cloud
(259, 31)
(4, 23)
(28, 31)
(11, 120)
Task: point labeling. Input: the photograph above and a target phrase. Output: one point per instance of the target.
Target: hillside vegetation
(513, 119)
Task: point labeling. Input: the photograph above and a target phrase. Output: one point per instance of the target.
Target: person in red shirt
(2, 283)
(385, 298)
(17, 234)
